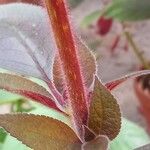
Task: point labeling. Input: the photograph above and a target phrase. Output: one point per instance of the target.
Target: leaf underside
(26, 44)
(40, 132)
(115, 83)
(25, 87)
(104, 112)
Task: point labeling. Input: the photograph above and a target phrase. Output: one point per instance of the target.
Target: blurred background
(118, 33)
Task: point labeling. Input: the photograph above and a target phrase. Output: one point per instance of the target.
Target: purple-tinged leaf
(20, 85)
(99, 143)
(40, 132)
(104, 112)
(113, 84)
(26, 43)
(88, 134)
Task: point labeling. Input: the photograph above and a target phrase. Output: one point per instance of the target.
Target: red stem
(68, 55)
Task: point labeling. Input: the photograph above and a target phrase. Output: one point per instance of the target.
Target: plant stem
(136, 50)
(69, 61)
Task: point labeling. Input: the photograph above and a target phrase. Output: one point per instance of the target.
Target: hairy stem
(68, 56)
(136, 50)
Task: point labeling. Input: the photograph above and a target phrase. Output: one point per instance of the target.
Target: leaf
(129, 10)
(40, 132)
(99, 143)
(13, 144)
(88, 134)
(2, 136)
(42, 110)
(146, 147)
(130, 137)
(7, 97)
(26, 45)
(104, 112)
(88, 20)
(75, 3)
(87, 64)
(20, 85)
(113, 84)
(58, 75)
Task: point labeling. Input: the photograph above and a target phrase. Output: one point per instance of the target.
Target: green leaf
(131, 136)
(75, 3)
(6, 97)
(129, 10)
(104, 112)
(2, 135)
(40, 132)
(12, 143)
(88, 20)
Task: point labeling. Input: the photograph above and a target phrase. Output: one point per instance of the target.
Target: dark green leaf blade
(2, 135)
(129, 10)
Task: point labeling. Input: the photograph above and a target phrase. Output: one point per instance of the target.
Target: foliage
(2, 136)
(131, 136)
(90, 115)
(90, 18)
(129, 10)
(122, 10)
(74, 3)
